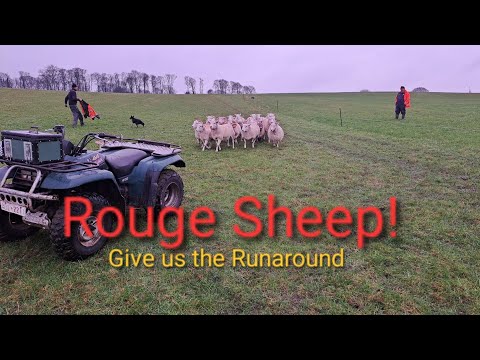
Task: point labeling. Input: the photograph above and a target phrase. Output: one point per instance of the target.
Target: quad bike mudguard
(143, 181)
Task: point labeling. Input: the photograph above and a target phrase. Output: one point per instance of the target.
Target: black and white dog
(137, 121)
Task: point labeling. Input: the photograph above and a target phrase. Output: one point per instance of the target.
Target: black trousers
(77, 115)
(400, 109)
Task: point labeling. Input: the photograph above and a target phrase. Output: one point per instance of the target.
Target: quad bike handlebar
(88, 138)
(107, 136)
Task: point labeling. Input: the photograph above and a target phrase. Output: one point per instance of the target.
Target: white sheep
(203, 132)
(261, 127)
(194, 126)
(250, 131)
(270, 121)
(239, 119)
(210, 119)
(271, 116)
(222, 120)
(221, 132)
(266, 126)
(275, 134)
(237, 128)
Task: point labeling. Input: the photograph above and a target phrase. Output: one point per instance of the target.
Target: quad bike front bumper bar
(21, 202)
(24, 198)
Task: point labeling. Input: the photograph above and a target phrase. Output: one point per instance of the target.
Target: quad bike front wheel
(12, 227)
(79, 245)
(170, 190)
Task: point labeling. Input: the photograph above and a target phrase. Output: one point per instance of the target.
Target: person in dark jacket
(402, 101)
(72, 102)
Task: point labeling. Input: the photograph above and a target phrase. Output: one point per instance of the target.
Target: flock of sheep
(255, 128)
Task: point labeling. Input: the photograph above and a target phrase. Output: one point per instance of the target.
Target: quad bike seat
(122, 162)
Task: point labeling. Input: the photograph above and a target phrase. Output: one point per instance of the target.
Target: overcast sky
(313, 68)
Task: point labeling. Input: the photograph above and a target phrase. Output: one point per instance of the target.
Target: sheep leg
(244, 143)
(218, 144)
(233, 143)
(253, 143)
(208, 145)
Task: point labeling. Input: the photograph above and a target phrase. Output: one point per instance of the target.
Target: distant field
(430, 162)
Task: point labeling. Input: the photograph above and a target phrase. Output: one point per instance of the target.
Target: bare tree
(193, 83)
(104, 82)
(130, 80)
(96, 78)
(39, 83)
(153, 81)
(236, 88)
(79, 77)
(23, 79)
(249, 90)
(70, 77)
(88, 82)
(62, 78)
(123, 79)
(169, 81)
(160, 84)
(220, 86)
(223, 86)
(138, 80)
(145, 78)
(5, 80)
(49, 75)
(187, 83)
(230, 87)
(201, 85)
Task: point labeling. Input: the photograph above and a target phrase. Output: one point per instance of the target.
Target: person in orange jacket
(402, 102)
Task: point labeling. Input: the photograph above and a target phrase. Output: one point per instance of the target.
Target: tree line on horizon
(56, 78)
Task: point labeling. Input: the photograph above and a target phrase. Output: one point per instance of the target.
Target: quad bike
(42, 168)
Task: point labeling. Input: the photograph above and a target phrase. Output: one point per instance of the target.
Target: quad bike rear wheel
(170, 190)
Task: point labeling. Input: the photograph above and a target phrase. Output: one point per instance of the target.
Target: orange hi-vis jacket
(406, 99)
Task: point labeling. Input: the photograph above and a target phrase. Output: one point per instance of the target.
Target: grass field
(430, 162)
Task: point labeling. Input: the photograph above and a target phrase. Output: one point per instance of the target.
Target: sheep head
(273, 127)
(214, 125)
(246, 127)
